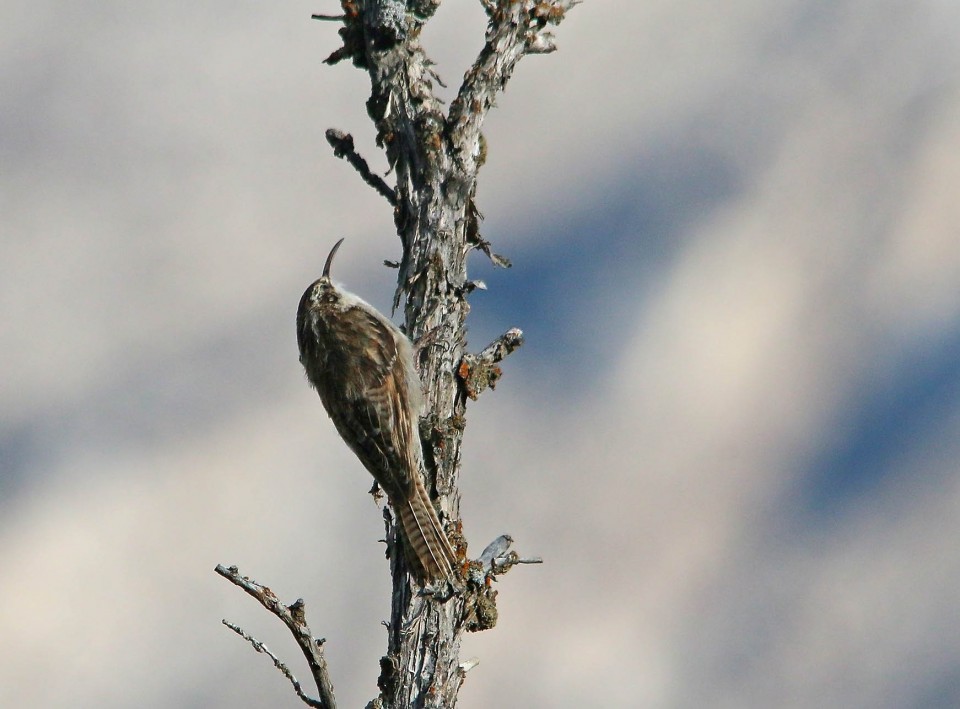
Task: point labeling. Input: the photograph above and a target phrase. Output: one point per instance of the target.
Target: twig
(475, 216)
(497, 559)
(497, 259)
(294, 617)
(278, 663)
(479, 371)
(504, 345)
(342, 144)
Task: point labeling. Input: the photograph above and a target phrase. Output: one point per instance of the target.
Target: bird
(362, 366)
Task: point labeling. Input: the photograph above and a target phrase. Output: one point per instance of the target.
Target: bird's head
(323, 294)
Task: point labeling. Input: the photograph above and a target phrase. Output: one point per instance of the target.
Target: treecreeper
(362, 366)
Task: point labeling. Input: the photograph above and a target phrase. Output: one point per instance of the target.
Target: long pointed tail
(434, 556)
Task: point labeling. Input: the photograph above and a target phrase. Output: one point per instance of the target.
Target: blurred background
(733, 433)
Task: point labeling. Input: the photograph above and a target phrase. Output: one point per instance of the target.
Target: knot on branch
(479, 371)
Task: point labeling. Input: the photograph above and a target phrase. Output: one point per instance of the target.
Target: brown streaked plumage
(361, 364)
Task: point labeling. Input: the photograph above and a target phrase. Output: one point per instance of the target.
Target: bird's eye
(324, 296)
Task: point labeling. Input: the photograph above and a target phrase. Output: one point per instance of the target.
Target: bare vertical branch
(436, 159)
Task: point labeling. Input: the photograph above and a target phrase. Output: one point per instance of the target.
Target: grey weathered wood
(294, 617)
(435, 157)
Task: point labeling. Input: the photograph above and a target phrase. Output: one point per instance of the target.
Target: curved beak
(333, 251)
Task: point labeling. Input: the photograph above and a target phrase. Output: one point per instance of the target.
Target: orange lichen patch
(477, 376)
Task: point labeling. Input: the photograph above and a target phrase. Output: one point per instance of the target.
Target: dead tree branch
(514, 29)
(479, 371)
(434, 157)
(342, 144)
(294, 617)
